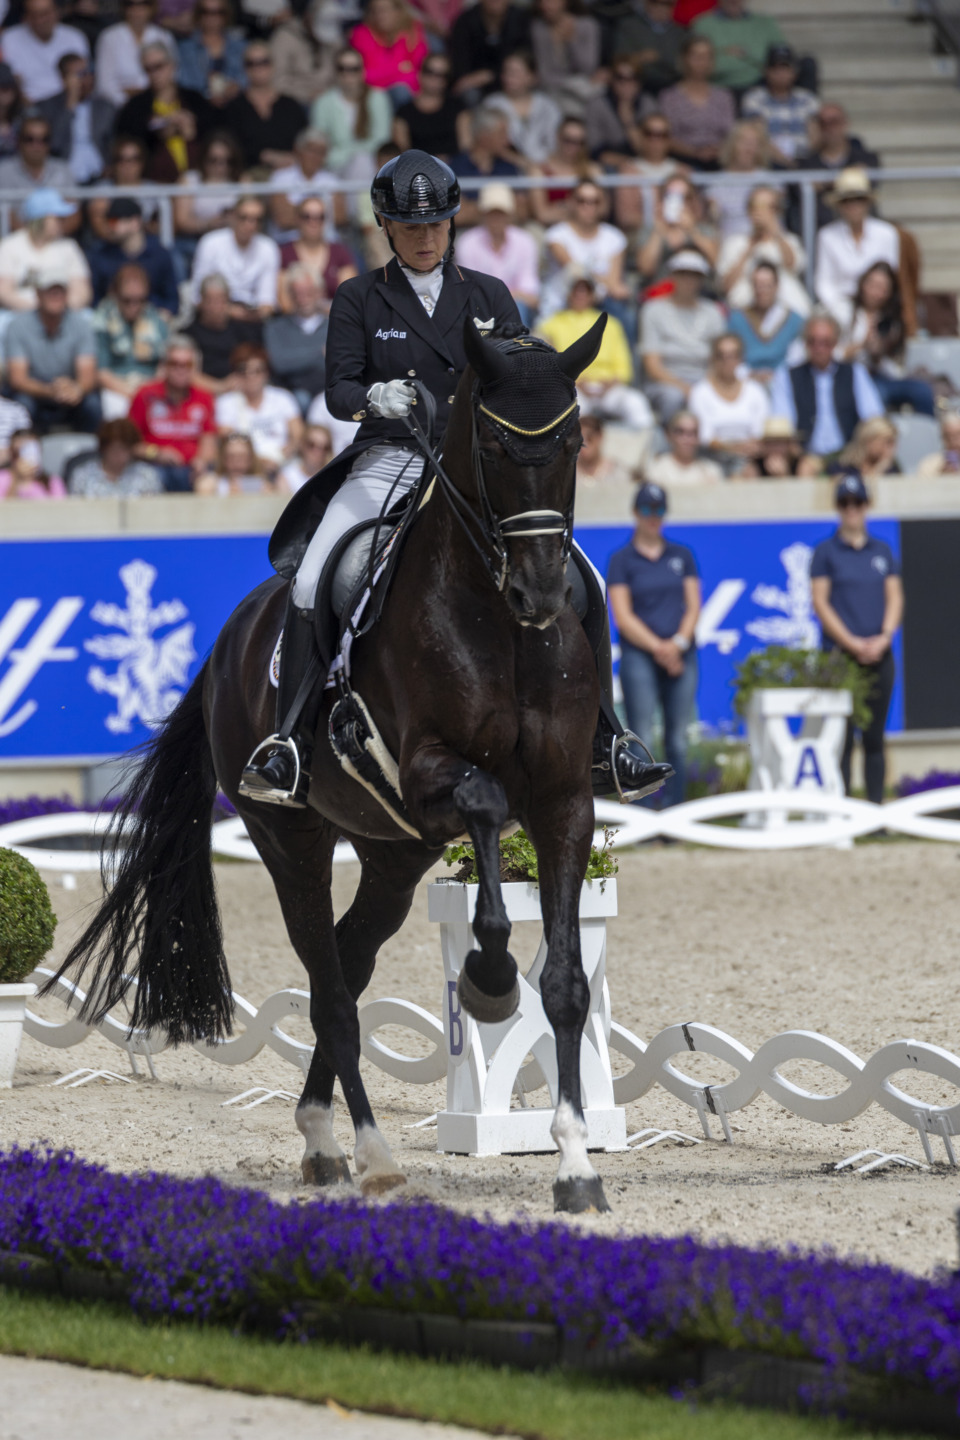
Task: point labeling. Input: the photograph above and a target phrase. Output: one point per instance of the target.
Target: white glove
(391, 399)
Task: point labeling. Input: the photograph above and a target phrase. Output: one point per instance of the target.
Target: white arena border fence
(868, 1082)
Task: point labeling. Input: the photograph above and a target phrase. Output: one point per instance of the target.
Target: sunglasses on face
(847, 502)
(658, 510)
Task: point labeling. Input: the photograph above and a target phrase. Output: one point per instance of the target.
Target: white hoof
(376, 1168)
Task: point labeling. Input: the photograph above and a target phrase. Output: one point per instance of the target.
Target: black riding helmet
(415, 189)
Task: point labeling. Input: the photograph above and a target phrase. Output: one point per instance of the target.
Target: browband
(517, 430)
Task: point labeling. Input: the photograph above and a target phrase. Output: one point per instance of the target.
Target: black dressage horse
(484, 688)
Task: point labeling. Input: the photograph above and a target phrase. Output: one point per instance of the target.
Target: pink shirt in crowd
(396, 64)
(32, 490)
(516, 264)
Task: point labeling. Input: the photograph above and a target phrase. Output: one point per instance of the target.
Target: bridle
(493, 532)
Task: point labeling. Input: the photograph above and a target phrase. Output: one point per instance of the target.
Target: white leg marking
(371, 1154)
(570, 1136)
(315, 1123)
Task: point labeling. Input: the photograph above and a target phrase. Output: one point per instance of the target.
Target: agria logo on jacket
(390, 335)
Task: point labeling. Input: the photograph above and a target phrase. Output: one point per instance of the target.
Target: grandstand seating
(879, 62)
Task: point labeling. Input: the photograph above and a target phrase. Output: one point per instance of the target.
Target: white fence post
(488, 1065)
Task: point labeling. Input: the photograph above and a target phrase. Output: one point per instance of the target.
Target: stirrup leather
(268, 796)
(618, 743)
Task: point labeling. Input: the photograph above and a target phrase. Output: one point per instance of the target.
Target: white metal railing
(808, 182)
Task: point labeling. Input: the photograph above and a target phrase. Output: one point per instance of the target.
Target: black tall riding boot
(278, 771)
(616, 770)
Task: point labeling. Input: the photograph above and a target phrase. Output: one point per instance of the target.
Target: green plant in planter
(780, 668)
(518, 859)
(27, 921)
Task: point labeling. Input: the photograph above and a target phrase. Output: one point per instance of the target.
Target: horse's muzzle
(535, 606)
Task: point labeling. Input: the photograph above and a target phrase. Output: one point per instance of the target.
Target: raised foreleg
(446, 795)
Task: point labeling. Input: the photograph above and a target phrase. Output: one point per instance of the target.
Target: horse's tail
(162, 902)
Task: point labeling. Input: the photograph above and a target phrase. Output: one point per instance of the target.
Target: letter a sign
(808, 769)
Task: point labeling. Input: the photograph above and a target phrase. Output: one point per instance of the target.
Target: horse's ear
(488, 363)
(582, 353)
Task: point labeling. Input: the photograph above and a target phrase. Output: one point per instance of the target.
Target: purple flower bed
(200, 1249)
(933, 780)
(32, 805)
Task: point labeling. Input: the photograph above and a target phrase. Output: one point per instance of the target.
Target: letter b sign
(454, 1020)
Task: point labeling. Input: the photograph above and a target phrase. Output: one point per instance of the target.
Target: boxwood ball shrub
(27, 921)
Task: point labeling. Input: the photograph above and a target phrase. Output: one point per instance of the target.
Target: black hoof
(481, 1004)
(325, 1170)
(580, 1197)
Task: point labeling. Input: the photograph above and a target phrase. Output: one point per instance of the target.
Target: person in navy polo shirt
(858, 598)
(654, 592)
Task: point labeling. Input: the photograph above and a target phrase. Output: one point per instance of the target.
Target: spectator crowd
(193, 361)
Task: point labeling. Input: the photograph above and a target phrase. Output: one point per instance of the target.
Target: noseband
(494, 531)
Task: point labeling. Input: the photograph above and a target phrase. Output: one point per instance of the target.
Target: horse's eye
(490, 458)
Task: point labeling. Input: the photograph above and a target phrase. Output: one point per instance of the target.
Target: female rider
(387, 327)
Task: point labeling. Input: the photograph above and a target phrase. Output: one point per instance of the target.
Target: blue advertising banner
(756, 592)
(99, 638)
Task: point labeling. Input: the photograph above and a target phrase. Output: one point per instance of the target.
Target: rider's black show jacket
(379, 330)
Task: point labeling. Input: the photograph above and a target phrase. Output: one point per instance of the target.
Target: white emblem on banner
(797, 626)
(149, 671)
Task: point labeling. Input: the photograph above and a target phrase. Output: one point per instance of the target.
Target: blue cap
(44, 202)
(850, 486)
(651, 497)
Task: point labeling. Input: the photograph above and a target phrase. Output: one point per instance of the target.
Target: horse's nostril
(519, 601)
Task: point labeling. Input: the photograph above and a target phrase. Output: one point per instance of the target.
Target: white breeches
(383, 472)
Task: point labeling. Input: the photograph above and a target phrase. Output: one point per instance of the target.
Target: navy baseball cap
(850, 488)
(651, 499)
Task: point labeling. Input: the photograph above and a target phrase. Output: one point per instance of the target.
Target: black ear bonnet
(527, 398)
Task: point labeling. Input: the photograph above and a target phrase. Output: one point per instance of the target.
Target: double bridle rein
(494, 531)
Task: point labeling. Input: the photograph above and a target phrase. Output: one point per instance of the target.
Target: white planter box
(487, 1064)
(13, 1008)
(807, 760)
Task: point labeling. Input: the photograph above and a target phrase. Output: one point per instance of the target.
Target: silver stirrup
(273, 797)
(617, 744)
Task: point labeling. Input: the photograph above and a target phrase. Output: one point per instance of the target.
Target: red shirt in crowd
(179, 426)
